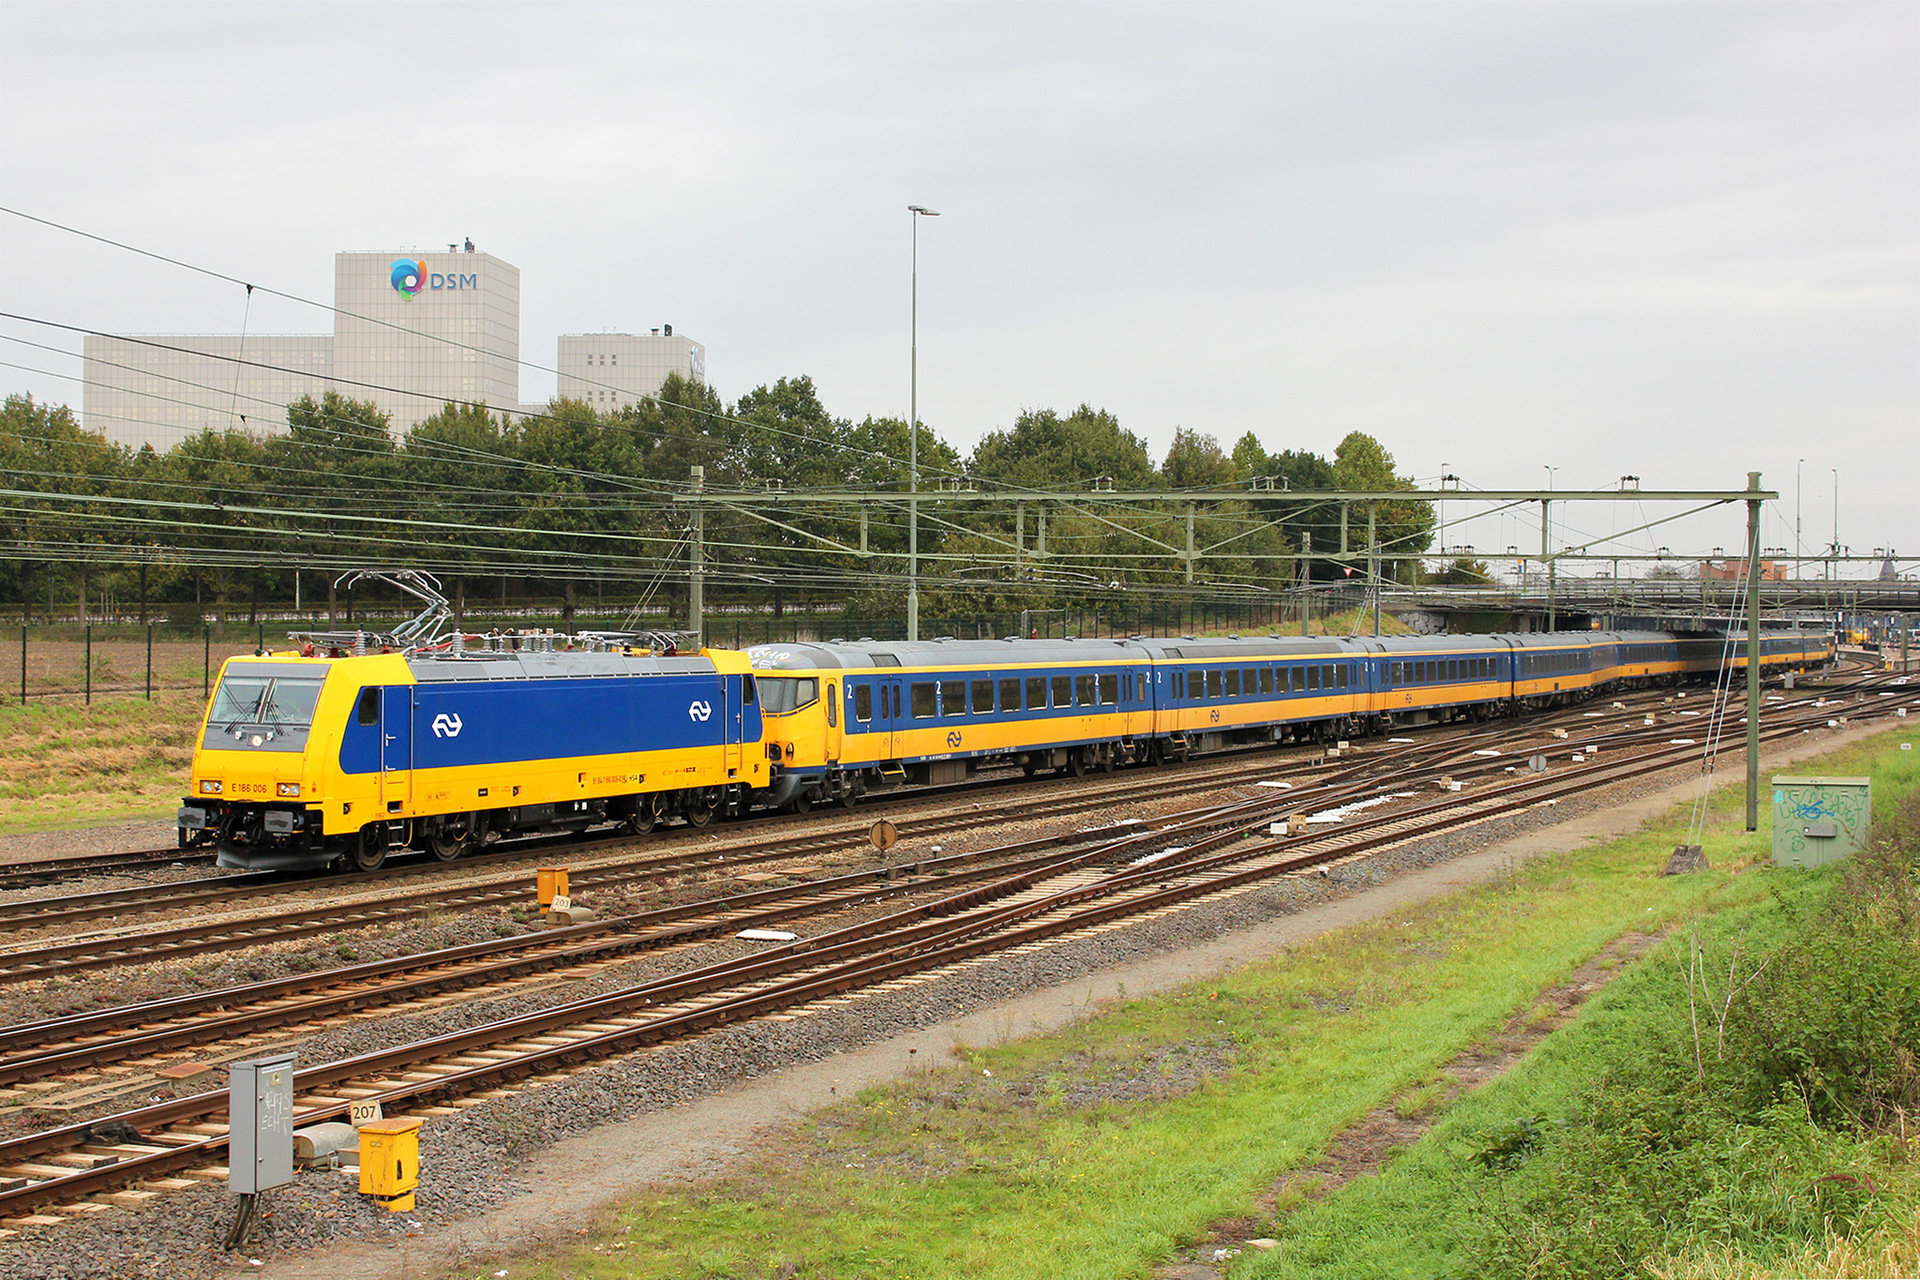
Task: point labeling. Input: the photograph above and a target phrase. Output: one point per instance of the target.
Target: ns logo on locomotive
(354, 744)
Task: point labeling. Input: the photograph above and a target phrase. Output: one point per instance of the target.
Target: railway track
(420, 892)
(1213, 851)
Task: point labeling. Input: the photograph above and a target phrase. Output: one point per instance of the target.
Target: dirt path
(579, 1178)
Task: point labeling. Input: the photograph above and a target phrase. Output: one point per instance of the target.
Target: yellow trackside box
(390, 1162)
(549, 883)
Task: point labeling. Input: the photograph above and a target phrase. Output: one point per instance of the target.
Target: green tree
(1404, 528)
(1195, 462)
(43, 449)
(1042, 450)
(1464, 572)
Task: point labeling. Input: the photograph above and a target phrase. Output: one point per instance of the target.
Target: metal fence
(72, 662)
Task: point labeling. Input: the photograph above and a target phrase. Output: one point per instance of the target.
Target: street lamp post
(1546, 523)
(1836, 518)
(1797, 543)
(915, 212)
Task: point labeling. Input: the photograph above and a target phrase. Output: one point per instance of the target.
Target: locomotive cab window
(264, 712)
(368, 712)
(786, 693)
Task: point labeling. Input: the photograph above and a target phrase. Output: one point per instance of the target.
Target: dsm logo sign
(409, 278)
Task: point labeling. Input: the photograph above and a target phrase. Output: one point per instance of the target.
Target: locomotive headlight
(256, 740)
(208, 787)
(287, 788)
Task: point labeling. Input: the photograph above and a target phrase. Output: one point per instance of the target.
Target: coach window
(833, 707)
(862, 703)
(1140, 687)
(1340, 674)
(924, 707)
(953, 697)
(1233, 682)
(1083, 690)
(1109, 689)
(1036, 693)
(1009, 695)
(1063, 691)
(1266, 679)
(983, 697)
(368, 711)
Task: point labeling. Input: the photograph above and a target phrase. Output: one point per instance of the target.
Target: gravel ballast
(475, 1160)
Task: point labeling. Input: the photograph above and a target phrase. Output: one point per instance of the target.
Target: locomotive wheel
(646, 816)
(1077, 762)
(1106, 761)
(802, 802)
(450, 840)
(702, 806)
(370, 850)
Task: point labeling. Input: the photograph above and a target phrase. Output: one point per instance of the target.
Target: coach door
(890, 723)
(835, 709)
(396, 748)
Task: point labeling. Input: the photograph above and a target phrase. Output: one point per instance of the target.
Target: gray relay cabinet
(260, 1116)
(1820, 820)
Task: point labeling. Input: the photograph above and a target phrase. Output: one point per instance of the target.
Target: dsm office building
(413, 332)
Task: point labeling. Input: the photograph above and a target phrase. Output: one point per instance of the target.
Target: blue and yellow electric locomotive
(308, 761)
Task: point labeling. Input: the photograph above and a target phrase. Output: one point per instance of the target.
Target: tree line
(572, 500)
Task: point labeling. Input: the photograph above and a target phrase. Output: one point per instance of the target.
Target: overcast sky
(1680, 241)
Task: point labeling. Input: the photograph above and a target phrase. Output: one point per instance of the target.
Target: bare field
(57, 668)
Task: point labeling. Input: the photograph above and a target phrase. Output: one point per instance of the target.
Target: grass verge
(1099, 1151)
(63, 766)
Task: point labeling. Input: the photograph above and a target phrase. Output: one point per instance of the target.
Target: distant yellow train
(844, 718)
